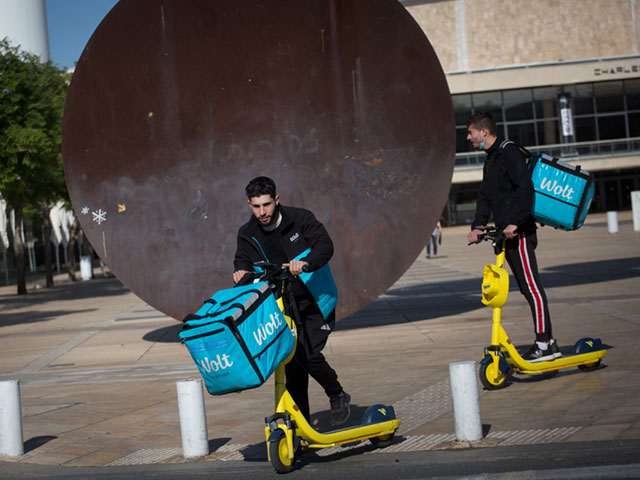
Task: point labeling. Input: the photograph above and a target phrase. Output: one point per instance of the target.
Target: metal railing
(602, 148)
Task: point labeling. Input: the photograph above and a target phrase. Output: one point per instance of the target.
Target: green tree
(32, 96)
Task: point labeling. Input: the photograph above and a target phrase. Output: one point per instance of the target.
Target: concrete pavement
(97, 366)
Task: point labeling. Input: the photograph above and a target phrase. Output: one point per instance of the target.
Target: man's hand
(295, 266)
(237, 275)
(510, 231)
(472, 236)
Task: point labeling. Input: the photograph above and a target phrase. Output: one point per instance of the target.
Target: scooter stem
(497, 311)
(500, 256)
(280, 384)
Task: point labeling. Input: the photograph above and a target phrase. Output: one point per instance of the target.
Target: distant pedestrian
(436, 235)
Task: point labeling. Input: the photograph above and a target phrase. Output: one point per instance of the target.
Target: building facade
(561, 77)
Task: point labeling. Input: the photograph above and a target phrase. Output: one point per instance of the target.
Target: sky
(71, 23)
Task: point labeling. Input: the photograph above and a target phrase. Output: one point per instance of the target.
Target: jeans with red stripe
(521, 257)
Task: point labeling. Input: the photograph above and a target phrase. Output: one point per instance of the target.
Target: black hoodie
(299, 230)
(506, 189)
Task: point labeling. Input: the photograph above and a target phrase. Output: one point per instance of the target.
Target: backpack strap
(524, 151)
(505, 143)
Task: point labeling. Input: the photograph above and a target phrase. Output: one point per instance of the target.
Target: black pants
(521, 257)
(308, 359)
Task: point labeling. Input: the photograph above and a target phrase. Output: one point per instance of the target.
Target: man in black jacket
(294, 237)
(507, 192)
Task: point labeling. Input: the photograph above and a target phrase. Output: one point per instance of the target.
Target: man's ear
(277, 199)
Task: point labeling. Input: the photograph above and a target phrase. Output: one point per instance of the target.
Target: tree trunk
(71, 250)
(46, 233)
(18, 250)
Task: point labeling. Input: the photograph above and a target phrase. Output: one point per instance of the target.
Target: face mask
(481, 146)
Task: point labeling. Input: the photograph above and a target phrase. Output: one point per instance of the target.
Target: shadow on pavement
(7, 319)
(37, 442)
(433, 300)
(164, 334)
(98, 287)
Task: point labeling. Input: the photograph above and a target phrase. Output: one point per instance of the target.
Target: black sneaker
(536, 354)
(553, 346)
(340, 410)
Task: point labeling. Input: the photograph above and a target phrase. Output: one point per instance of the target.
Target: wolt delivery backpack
(238, 338)
(563, 193)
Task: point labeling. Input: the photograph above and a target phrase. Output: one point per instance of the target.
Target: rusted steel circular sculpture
(176, 104)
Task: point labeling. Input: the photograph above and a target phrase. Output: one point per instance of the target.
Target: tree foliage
(32, 96)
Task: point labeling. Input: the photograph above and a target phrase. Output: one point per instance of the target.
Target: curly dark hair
(261, 186)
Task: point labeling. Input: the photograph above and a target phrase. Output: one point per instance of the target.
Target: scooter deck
(348, 434)
(306, 432)
(521, 366)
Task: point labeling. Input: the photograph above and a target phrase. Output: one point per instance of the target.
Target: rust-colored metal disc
(176, 104)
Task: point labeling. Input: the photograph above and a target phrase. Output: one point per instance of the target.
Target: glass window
(609, 97)
(582, 96)
(462, 108)
(461, 140)
(632, 92)
(501, 129)
(522, 133)
(546, 102)
(518, 104)
(634, 124)
(488, 102)
(626, 187)
(585, 129)
(612, 196)
(548, 132)
(611, 127)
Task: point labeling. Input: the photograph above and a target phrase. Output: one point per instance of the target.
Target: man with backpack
(294, 237)
(506, 192)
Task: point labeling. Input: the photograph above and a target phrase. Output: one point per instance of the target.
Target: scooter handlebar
(269, 271)
(491, 233)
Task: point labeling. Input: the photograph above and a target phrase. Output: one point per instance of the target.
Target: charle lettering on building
(573, 96)
(616, 70)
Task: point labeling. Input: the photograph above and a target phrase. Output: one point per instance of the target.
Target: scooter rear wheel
(278, 453)
(589, 367)
(383, 441)
(491, 378)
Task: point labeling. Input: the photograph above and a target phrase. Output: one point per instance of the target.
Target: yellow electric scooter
(501, 358)
(287, 431)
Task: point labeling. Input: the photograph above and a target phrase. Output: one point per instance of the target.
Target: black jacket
(299, 229)
(506, 189)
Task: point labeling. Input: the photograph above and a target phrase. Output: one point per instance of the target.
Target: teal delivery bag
(563, 193)
(238, 338)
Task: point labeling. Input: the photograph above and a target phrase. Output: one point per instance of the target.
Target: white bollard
(466, 406)
(635, 207)
(86, 267)
(10, 419)
(193, 421)
(612, 222)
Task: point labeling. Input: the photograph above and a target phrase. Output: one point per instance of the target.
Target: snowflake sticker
(99, 216)
(85, 210)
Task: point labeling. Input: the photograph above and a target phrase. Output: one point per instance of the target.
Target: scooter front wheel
(491, 377)
(278, 453)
